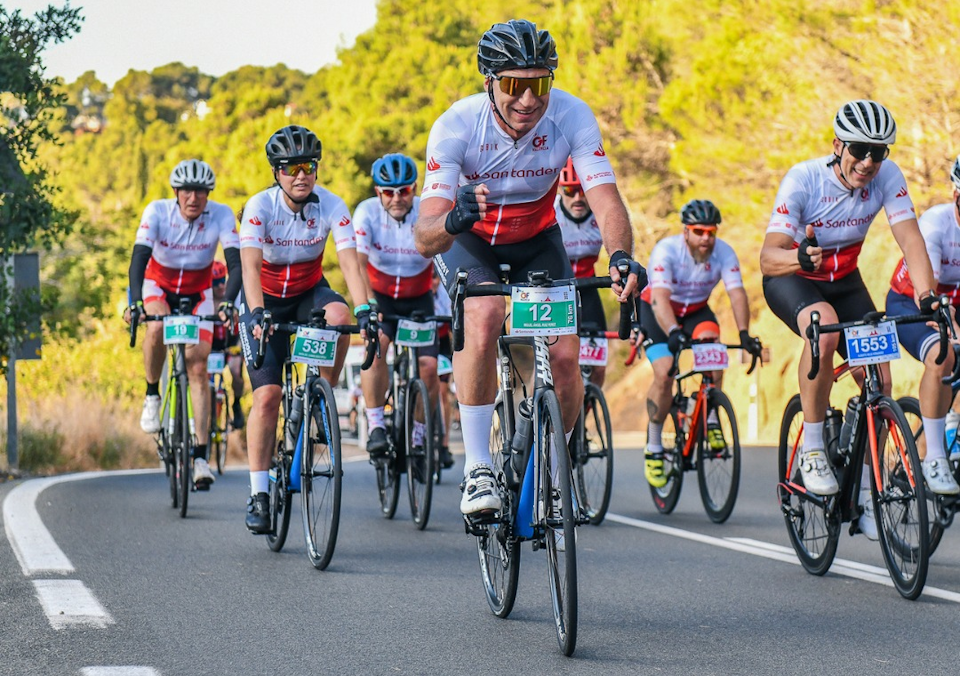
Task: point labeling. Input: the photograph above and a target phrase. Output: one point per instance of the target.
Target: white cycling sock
(375, 417)
(259, 482)
(933, 429)
(654, 436)
(812, 436)
(475, 424)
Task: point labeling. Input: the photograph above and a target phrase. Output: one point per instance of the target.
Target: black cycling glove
(752, 345)
(367, 321)
(136, 311)
(255, 319)
(466, 211)
(806, 263)
(677, 340)
(633, 267)
(927, 303)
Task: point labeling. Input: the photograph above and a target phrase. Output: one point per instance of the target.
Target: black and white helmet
(192, 174)
(864, 121)
(955, 173)
(292, 144)
(516, 44)
(700, 212)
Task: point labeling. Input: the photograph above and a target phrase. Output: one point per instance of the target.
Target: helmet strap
(493, 102)
(309, 199)
(836, 161)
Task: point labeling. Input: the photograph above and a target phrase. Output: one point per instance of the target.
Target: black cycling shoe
(378, 444)
(446, 458)
(238, 419)
(258, 513)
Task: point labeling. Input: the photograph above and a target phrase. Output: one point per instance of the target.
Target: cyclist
(282, 238)
(172, 258)
(940, 227)
(582, 241)
(442, 308)
(399, 278)
(809, 261)
(684, 269)
(226, 339)
(493, 160)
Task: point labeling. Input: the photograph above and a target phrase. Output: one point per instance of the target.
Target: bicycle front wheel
(418, 429)
(184, 480)
(322, 476)
(899, 501)
(559, 519)
(281, 499)
(718, 466)
(813, 526)
(665, 498)
(499, 550)
(936, 520)
(218, 427)
(593, 455)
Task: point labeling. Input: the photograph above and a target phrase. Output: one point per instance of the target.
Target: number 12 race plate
(543, 311)
(872, 344)
(316, 347)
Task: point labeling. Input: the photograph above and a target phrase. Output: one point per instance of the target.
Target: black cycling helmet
(515, 44)
(394, 170)
(292, 144)
(699, 212)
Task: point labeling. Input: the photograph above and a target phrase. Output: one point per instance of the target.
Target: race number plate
(710, 357)
(444, 365)
(315, 347)
(215, 362)
(593, 351)
(181, 330)
(416, 334)
(543, 311)
(872, 344)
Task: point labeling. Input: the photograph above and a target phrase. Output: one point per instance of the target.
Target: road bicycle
(691, 442)
(307, 457)
(528, 448)
(411, 422)
(219, 407)
(875, 429)
(177, 436)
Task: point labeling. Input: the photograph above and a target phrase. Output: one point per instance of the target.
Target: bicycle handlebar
(136, 319)
(676, 357)
(317, 322)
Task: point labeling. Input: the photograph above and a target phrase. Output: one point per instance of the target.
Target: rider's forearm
(252, 260)
(138, 268)
(741, 308)
(351, 275)
(612, 218)
(907, 234)
(430, 235)
(662, 310)
(234, 273)
(778, 262)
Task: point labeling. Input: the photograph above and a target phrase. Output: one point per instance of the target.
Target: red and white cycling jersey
(690, 283)
(292, 244)
(941, 234)
(183, 251)
(581, 240)
(394, 266)
(467, 146)
(811, 193)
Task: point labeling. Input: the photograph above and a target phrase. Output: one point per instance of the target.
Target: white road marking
(768, 550)
(69, 603)
(119, 671)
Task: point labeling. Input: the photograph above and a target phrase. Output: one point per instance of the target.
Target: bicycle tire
(911, 412)
(420, 459)
(665, 498)
(322, 476)
(592, 455)
(437, 442)
(498, 548)
(281, 499)
(561, 564)
(387, 469)
(219, 443)
(900, 505)
(186, 447)
(814, 530)
(718, 471)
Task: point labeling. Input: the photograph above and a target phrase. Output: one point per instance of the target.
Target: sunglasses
(403, 191)
(571, 190)
(861, 150)
(220, 280)
(515, 86)
(703, 232)
(309, 168)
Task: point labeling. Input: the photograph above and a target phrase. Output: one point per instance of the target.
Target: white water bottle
(953, 446)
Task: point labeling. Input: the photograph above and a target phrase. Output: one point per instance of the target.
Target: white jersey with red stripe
(581, 240)
(690, 283)
(812, 194)
(941, 234)
(468, 146)
(394, 266)
(183, 251)
(292, 244)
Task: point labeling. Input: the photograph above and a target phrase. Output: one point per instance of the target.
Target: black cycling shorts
(689, 322)
(406, 307)
(591, 309)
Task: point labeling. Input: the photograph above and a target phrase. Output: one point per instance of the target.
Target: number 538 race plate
(872, 344)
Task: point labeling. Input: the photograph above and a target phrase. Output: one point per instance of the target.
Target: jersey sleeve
(932, 240)
(729, 267)
(586, 148)
(896, 198)
(787, 211)
(363, 227)
(341, 224)
(252, 226)
(446, 150)
(149, 228)
(660, 270)
(227, 224)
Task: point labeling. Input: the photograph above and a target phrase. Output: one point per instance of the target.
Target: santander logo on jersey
(255, 221)
(267, 239)
(783, 210)
(599, 152)
(432, 165)
(344, 221)
(903, 191)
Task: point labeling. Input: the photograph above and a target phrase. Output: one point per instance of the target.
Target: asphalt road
(658, 595)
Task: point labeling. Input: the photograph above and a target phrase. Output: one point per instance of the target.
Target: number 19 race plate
(543, 311)
(710, 357)
(181, 329)
(872, 344)
(315, 347)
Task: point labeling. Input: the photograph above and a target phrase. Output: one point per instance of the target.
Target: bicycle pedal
(202, 486)
(475, 524)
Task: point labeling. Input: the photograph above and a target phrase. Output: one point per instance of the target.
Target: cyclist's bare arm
(778, 257)
(430, 235)
(614, 222)
(741, 308)
(356, 281)
(662, 310)
(907, 234)
(252, 260)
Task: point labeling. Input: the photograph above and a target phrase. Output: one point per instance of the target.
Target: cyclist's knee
(483, 316)
(266, 399)
(337, 313)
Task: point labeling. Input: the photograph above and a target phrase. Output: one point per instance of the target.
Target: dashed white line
(68, 603)
(119, 671)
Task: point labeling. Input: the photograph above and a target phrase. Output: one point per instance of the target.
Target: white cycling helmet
(864, 121)
(955, 173)
(192, 174)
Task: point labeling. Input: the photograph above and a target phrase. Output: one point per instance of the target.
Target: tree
(28, 104)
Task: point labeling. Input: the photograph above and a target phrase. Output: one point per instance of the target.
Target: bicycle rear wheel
(185, 450)
(813, 528)
(718, 470)
(911, 412)
(559, 520)
(322, 476)
(420, 456)
(665, 498)
(219, 406)
(281, 499)
(437, 441)
(498, 549)
(593, 455)
(899, 502)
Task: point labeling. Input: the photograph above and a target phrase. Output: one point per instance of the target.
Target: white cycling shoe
(939, 477)
(817, 476)
(150, 417)
(480, 493)
(868, 520)
(202, 476)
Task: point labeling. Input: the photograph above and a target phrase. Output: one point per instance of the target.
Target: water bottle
(832, 429)
(292, 429)
(687, 407)
(952, 447)
(522, 437)
(849, 425)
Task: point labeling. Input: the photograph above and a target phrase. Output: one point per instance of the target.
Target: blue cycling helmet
(394, 170)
